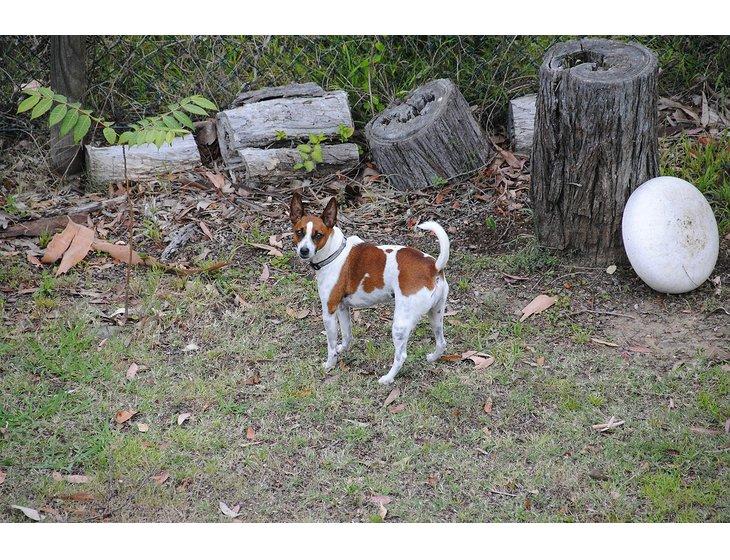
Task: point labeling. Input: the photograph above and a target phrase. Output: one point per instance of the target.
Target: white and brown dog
(352, 273)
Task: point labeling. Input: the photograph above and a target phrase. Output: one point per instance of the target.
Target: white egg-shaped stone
(670, 235)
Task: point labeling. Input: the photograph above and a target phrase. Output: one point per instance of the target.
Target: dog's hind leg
(403, 324)
(343, 316)
(436, 316)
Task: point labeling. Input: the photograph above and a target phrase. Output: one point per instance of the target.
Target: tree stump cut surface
(431, 135)
(595, 142)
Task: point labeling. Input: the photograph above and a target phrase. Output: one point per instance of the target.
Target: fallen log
(278, 163)
(432, 135)
(595, 142)
(263, 123)
(309, 89)
(106, 165)
(521, 123)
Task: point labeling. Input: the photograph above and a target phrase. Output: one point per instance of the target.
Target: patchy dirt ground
(222, 371)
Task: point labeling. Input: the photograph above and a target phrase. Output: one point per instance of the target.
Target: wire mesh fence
(131, 76)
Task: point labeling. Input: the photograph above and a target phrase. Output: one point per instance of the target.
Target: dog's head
(311, 233)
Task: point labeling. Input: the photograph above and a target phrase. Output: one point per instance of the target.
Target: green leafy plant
(76, 120)
(280, 135)
(311, 153)
(345, 132)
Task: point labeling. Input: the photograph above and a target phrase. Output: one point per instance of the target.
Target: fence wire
(133, 76)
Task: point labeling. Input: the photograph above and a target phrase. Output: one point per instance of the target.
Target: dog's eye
(317, 236)
(300, 232)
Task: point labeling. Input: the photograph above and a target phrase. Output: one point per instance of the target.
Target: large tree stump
(521, 123)
(595, 141)
(68, 77)
(431, 135)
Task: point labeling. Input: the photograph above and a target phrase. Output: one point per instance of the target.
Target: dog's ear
(329, 216)
(296, 208)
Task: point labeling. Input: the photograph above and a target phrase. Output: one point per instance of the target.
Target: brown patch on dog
(415, 270)
(318, 227)
(361, 260)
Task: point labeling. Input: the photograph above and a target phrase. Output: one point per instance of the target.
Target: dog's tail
(444, 243)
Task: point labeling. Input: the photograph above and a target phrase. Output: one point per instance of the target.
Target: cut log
(310, 89)
(278, 163)
(431, 135)
(595, 142)
(260, 124)
(521, 123)
(106, 165)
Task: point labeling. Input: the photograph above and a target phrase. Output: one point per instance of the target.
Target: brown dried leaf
(451, 358)
(32, 259)
(604, 342)
(394, 394)
(727, 426)
(217, 179)
(481, 361)
(161, 478)
(396, 408)
(124, 415)
(297, 313)
(29, 512)
(537, 305)
(272, 251)
(132, 371)
(540, 361)
(60, 242)
(183, 417)
(3, 476)
(77, 478)
(118, 252)
(255, 379)
(250, 433)
(79, 248)
(488, 406)
(275, 241)
(142, 427)
(205, 230)
(510, 158)
(228, 512)
(705, 431)
(265, 274)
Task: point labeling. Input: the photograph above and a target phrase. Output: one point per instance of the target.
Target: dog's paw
(329, 364)
(342, 347)
(433, 356)
(386, 380)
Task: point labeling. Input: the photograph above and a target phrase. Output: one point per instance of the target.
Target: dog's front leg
(330, 327)
(343, 316)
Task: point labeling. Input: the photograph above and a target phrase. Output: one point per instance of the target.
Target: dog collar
(333, 256)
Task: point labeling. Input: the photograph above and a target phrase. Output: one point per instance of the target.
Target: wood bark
(106, 165)
(263, 123)
(595, 141)
(68, 77)
(278, 163)
(430, 135)
(309, 89)
(521, 123)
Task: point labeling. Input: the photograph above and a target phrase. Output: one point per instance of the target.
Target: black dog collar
(333, 256)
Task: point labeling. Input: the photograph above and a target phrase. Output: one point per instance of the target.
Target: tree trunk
(595, 141)
(259, 124)
(432, 135)
(277, 164)
(521, 123)
(68, 77)
(146, 161)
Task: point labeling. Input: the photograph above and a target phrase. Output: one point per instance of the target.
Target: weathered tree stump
(68, 77)
(595, 141)
(521, 123)
(431, 135)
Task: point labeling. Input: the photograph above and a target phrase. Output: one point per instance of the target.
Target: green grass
(324, 444)
(704, 162)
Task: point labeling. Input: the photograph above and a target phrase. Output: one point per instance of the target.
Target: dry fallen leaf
(60, 242)
(396, 408)
(611, 269)
(204, 228)
(118, 252)
(255, 379)
(451, 358)
(381, 502)
(537, 305)
(481, 360)
(32, 259)
(272, 251)
(727, 426)
(29, 512)
(217, 179)
(607, 426)
(77, 478)
(705, 431)
(182, 417)
(124, 415)
(394, 394)
(192, 347)
(264, 273)
(540, 361)
(250, 433)
(275, 241)
(142, 427)
(3, 476)
(488, 406)
(228, 512)
(297, 313)
(604, 342)
(161, 478)
(77, 251)
(132, 370)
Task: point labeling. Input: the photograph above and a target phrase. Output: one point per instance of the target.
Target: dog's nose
(304, 252)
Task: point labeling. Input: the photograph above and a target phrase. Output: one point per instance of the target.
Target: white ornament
(670, 235)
